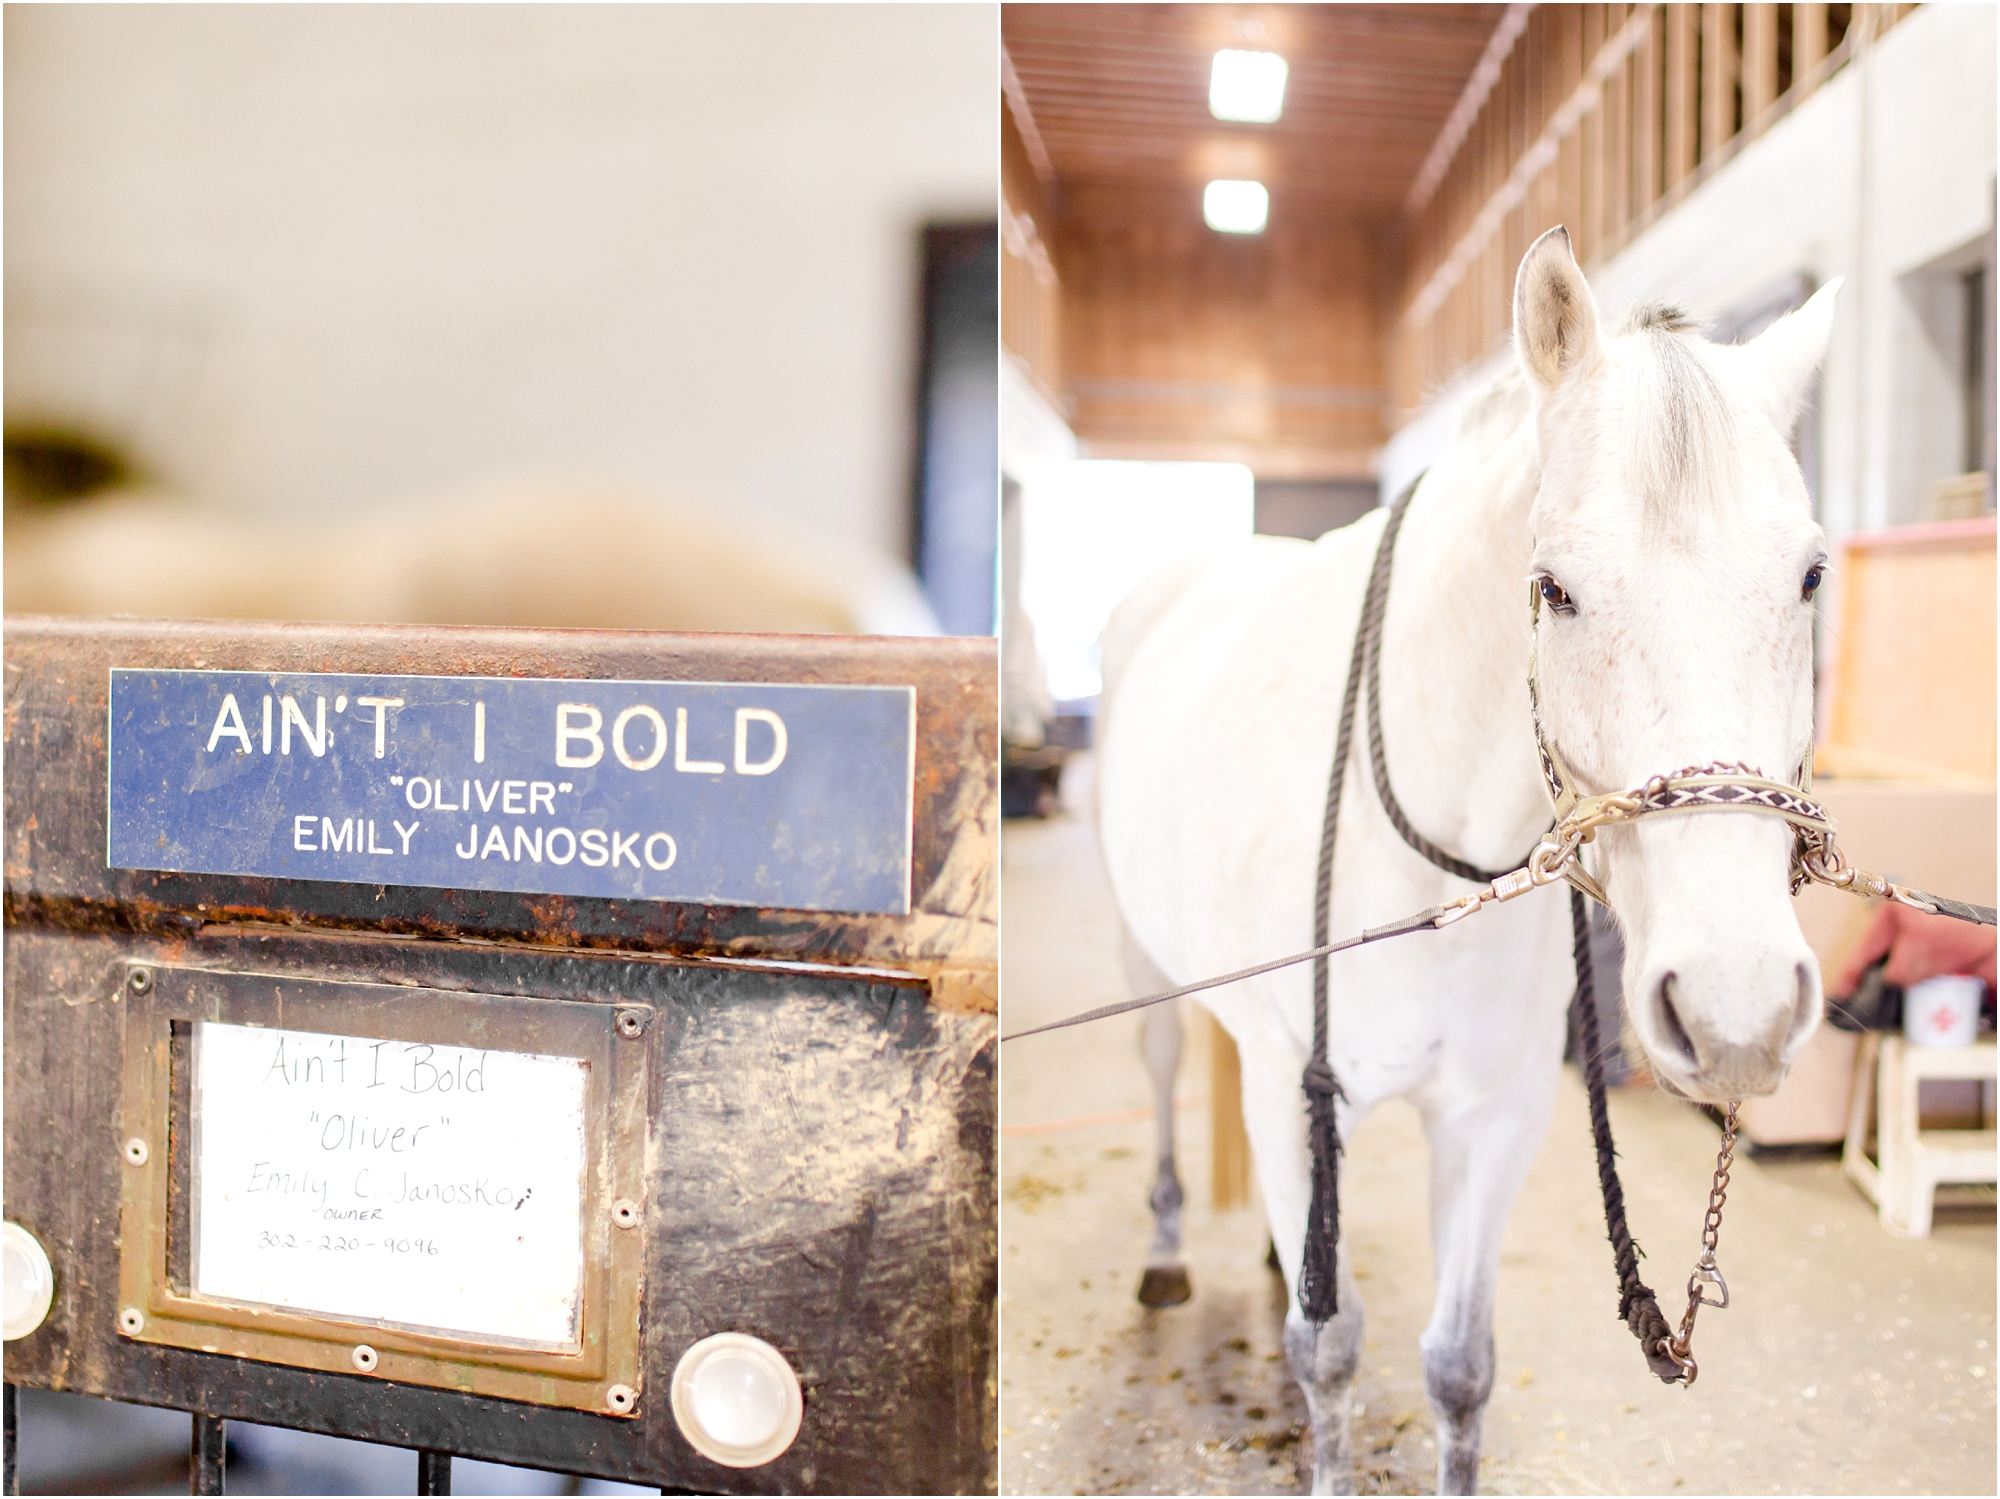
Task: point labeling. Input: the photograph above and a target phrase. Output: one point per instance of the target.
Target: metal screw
(130, 1321)
(364, 1358)
(136, 1151)
(625, 1213)
(621, 1398)
(141, 980)
(630, 1023)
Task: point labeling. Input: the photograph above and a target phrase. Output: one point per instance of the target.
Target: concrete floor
(1851, 1362)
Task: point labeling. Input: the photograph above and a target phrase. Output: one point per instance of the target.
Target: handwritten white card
(430, 1187)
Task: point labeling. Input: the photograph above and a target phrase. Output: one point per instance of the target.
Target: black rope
(1371, 636)
(1318, 1293)
(1637, 1305)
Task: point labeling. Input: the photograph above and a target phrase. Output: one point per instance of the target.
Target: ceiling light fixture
(1236, 207)
(1248, 86)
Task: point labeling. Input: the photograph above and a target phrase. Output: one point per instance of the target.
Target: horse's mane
(1679, 427)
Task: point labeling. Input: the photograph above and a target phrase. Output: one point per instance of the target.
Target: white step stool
(1910, 1162)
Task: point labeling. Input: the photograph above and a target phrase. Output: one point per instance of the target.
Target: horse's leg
(1165, 1282)
(1479, 1157)
(1324, 1357)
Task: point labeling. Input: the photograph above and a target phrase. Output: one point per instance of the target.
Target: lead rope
(1318, 1273)
(1319, 1295)
(1637, 1304)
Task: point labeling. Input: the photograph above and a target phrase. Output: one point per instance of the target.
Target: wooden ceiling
(1119, 96)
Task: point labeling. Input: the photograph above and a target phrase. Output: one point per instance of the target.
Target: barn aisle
(1851, 1363)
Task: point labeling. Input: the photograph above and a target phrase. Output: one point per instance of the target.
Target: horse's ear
(1555, 320)
(1785, 356)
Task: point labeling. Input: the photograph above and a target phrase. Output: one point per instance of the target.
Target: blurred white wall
(317, 259)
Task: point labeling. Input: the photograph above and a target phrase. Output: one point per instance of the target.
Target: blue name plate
(797, 797)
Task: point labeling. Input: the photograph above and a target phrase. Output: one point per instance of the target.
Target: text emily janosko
(638, 737)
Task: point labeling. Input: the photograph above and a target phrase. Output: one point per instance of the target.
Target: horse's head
(1676, 556)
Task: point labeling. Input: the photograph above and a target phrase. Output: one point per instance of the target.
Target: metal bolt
(364, 1358)
(621, 1398)
(625, 1213)
(136, 1151)
(130, 1321)
(141, 980)
(630, 1023)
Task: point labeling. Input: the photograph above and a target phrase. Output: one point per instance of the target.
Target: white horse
(1641, 481)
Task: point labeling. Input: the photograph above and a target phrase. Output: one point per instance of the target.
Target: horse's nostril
(1671, 1020)
(1806, 1008)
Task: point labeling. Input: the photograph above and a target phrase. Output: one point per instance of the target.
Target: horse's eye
(1814, 577)
(1552, 592)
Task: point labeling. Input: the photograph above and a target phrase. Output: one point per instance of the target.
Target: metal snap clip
(1707, 1274)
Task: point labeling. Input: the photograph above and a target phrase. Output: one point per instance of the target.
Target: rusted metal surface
(58, 673)
(819, 1156)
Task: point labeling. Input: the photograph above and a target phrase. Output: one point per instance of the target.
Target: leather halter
(1695, 788)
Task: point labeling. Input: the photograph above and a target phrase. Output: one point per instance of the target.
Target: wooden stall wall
(1184, 343)
(1030, 285)
(1602, 118)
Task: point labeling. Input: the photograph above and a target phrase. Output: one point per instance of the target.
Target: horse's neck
(1455, 655)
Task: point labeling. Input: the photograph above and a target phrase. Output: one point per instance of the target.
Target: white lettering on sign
(744, 718)
(381, 705)
(681, 760)
(425, 1186)
(229, 722)
(573, 726)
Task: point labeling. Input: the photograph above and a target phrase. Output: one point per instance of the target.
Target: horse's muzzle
(1715, 1035)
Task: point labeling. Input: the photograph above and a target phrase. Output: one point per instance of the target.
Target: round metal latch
(630, 1023)
(736, 1400)
(130, 1321)
(29, 1280)
(625, 1213)
(364, 1358)
(140, 981)
(621, 1398)
(136, 1152)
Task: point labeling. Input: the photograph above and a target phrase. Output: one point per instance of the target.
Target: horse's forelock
(1680, 431)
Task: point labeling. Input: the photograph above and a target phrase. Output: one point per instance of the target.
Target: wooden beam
(1647, 123)
(1229, 1161)
(1513, 21)
(1683, 85)
(1760, 63)
(1618, 150)
(1808, 48)
(1589, 228)
(1024, 121)
(1719, 73)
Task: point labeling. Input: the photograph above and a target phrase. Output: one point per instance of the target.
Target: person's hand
(1919, 946)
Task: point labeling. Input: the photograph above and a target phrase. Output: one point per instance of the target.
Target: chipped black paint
(820, 1158)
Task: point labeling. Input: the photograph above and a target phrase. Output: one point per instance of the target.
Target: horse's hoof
(1165, 1285)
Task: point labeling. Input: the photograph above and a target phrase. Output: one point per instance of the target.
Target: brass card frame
(603, 1374)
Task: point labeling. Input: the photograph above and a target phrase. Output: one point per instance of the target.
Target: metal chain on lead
(1706, 1274)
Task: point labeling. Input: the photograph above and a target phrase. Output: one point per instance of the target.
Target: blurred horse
(550, 554)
